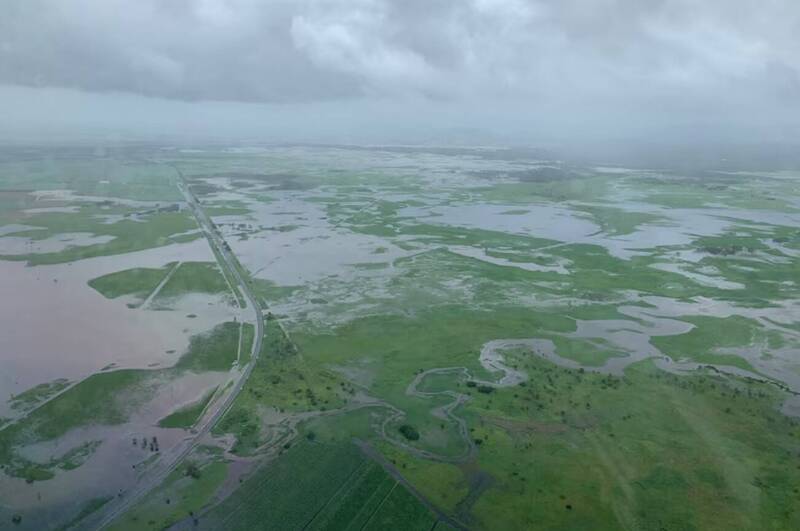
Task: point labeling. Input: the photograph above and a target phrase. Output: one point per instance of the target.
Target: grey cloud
(184, 50)
(278, 51)
(519, 68)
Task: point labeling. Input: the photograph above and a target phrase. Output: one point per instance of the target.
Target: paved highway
(173, 457)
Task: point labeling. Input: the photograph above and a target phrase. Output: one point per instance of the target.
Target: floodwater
(704, 280)
(71, 196)
(59, 327)
(658, 316)
(53, 209)
(54, 325)
(562, 223)
(296, 244)
(16, 245)
(561, 265)
(542, 220)
(16, 227)
(116, 463)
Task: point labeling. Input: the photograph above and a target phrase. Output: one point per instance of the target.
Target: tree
(192, 470)
(409, 432)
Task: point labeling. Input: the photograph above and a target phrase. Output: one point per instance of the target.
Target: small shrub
(192, 470)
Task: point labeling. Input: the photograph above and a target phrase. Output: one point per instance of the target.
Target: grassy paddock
(139, 282)
(184, 493)
(187, 416)
(157, 229)
(320, 487)
(194, 277)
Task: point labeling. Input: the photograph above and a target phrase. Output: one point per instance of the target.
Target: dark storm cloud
(403, 70)
(279, 51)
(175, 49)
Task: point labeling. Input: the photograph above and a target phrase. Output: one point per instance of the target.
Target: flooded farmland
(70, 335)
(439, 298)
(380, 265)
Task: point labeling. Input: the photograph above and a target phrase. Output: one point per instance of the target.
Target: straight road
(173, 457)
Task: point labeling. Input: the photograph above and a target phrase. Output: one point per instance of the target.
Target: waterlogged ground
(405, 278)
(524, 342)
(332, 235)
(110, 293)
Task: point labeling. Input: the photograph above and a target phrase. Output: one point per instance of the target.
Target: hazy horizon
(398, 265)
(378, 71)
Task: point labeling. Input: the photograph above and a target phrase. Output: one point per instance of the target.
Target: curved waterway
(492, 359)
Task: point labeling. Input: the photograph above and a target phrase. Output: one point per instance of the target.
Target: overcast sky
(403, 69)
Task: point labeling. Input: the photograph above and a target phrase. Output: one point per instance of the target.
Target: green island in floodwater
(398, 339)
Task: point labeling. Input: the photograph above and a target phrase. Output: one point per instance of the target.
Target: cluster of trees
(409, 432)
(725, 250)
(483, 388)
(152, 443)
(192, 470)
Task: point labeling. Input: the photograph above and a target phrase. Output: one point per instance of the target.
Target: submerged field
(482, 339)
(115, 317)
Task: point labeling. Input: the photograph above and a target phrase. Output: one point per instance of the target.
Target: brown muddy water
(116, 463)
(56, 326)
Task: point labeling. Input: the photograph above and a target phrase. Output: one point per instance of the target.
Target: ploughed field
(476, 339)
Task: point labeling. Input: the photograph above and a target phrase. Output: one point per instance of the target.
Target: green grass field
(187, 416)
(157, 229)
(248, 336)
(105, 177)
(179, 498)
(710, 333)
(573, 449)
(400, 510)
(139, 282)
(354, 504)
(570, 449)
(33, 396)
(89, 508)
(409, 261)
(194, 277)
(567, 449)
(321, 487)
(281, 380)
(214, 351)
